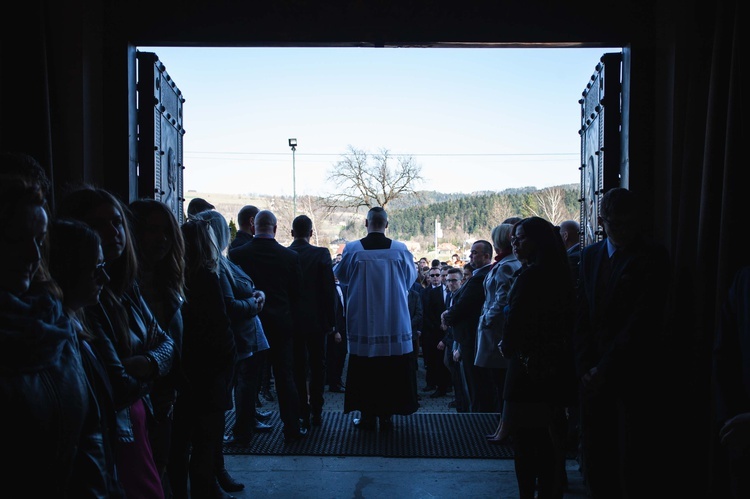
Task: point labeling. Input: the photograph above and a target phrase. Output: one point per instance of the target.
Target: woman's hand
(138, 366)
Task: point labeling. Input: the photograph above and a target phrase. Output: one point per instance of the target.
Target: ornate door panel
(600, 142)
(160, 135)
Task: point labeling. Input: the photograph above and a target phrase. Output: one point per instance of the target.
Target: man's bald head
(265, 223)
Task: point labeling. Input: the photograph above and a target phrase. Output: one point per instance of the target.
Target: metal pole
(294, 181)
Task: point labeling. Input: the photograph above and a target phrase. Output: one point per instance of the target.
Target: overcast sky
(474, 119)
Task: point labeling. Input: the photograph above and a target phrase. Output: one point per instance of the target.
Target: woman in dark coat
(161, 277)
(208, 360)
(143, 351)
(50, 443)
(540, 380)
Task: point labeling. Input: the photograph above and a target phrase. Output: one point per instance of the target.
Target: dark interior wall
(67, 83)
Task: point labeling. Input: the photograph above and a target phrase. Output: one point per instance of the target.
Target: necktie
(448, 296)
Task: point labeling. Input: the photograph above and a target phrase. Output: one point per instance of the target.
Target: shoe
(304, 422)
(364, 423)
(262, 416)
(268, 395)
(429, 388)
(317, 420)
(228, 483)
(438, 394)
(386, 423)
(261, 427)
(294, 436)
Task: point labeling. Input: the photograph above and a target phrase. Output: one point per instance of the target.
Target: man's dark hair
(618, 202)
(247, 215)
(377, 218)
(302, 225)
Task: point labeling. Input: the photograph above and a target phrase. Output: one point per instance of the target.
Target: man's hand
(735, 434)
(260, 298)
(337, 337)
(441, 345)
(457, 355)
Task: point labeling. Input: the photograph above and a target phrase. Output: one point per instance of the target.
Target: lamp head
(293, 143)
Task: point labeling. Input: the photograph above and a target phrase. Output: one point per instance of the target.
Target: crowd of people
(127, 336)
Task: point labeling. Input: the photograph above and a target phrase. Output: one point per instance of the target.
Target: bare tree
(550, 205)
(364, 180)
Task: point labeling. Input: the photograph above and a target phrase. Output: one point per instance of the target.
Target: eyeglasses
(434, 275)
(452, 280)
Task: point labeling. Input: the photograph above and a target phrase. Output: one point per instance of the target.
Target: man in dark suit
(246, 229)
(276, 270)
(317, 320)
(437, 376)
(622, 295)
(464, 315)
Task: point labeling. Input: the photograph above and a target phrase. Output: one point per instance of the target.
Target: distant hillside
(463, 218)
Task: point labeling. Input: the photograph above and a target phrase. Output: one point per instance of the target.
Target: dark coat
(317, 307)
(277, 272)
(242, 308)
(208, 351)
(537, 338)
(625, 321)
(240, 239)
(465, 312)
(44, 422)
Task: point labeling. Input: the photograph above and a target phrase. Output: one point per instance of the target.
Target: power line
(392, 153)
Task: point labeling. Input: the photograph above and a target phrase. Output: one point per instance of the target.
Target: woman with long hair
(208, 360)
(145, 350)
(45, 421)
(161, 276)
(540, 380)
(76, 263)
(243, 302)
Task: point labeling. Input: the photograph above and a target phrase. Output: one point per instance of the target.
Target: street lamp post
(293, 145)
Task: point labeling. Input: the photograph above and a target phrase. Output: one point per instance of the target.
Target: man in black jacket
(464, 315)
(276, 270)
(317, 320)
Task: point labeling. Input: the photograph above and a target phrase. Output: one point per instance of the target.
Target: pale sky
(474, 119)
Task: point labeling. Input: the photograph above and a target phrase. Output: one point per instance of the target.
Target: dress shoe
(386, 423)
(261, 427)
(438, 394)
(294, 436)
(317, 420)
(263, 416)
(228, 483)
(364, 423)
(304, 422)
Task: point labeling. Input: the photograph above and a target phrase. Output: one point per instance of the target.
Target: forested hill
(463, 216)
